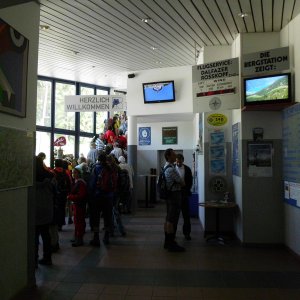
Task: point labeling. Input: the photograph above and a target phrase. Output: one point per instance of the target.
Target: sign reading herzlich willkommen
(95, 103)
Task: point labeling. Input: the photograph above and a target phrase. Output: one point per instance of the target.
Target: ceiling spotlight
(153, 48)
(146, 20)
(158, 62)
(243, 15)
(44, 27)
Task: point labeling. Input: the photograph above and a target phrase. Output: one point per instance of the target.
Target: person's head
(101, 136)
(84, 167)
(112, 160)
(179, 159)
(58, 163)
(170, 155)
(81, 159)
(102, 158)
(122, 160)
(121, 132)
(77, 172)
(42, 155)
(116, 144)
(109, 127)
(92, 145)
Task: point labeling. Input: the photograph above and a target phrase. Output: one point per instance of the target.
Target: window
(101, 116)
(84, 146)
(62, 119)
(86, 118)
(69, 148)
(43, 109)
(53, 121)
(43, 145)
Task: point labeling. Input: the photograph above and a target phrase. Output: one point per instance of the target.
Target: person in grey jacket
(45, 191)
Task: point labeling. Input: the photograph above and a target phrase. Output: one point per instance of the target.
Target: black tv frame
(159, 101)
(269, 102)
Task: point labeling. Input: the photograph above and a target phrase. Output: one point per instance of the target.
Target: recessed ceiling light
(158, 62)
(243, 14)
(44, 27)
(146, 20)
(153, 48)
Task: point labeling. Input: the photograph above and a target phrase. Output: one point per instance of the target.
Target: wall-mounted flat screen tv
(269, 89)
(159, 92)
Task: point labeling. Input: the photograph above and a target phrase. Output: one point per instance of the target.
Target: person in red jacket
(78, 197)
(109, 136)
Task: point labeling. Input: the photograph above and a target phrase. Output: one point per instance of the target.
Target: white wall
(290, 37)
(183, 91)
(185, 138)
(13, 203)
(212, 53)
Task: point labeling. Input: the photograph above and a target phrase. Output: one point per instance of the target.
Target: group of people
(92, 188)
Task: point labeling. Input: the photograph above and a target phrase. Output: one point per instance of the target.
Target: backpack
(63, 184)
(107, 180)
(123, 181)
(162, 184)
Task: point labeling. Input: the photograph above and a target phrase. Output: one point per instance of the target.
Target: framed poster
(13, 70)
(259, 159)
(169, 135)
(144, 136)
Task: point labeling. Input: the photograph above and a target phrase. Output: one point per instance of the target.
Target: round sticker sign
(217, 119)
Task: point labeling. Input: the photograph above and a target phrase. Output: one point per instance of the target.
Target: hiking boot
(174, 247)
(187, 237)
(45, 262)
(78, 242)
(55, 248)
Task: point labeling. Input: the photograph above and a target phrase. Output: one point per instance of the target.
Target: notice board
(16, 152)
(291, 155)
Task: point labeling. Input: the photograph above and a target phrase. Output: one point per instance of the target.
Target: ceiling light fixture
(153, 48)
(146, 20)
(243, 14)
(44, 27)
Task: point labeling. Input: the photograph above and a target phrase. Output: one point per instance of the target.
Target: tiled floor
(137, 267)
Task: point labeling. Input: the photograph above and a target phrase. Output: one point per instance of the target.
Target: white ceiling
(101, 41)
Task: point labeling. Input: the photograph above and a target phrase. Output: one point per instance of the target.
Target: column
(132, 154)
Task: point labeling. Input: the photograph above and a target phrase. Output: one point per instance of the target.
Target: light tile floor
(137, 267)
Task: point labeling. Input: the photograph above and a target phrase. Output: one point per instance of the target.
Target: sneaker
(174, 247)
(45, 262)
(95, 243)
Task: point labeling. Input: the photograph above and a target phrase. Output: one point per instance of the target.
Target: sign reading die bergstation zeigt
(274, 60)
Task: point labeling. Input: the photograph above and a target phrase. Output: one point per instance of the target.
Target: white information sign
(95, 103)
(216, 86)
(274, 60)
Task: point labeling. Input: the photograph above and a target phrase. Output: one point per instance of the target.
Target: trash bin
(193, 205)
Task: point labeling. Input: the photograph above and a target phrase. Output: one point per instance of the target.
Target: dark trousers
(173, 207)
(79, 220)
(43, 231)
(185, 209)
(102, 204)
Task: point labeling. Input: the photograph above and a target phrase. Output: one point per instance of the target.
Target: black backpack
(162, 184)
(63, 184)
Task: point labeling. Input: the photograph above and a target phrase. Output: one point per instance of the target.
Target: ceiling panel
(101, 41)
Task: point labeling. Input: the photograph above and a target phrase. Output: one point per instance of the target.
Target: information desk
(217, 205)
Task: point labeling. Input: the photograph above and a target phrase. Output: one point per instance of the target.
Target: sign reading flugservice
(95, 103)
(266, 61)
(216, 85)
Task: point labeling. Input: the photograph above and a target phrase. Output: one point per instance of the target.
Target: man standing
(100, 143)
(174, 184)
(186, 175)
